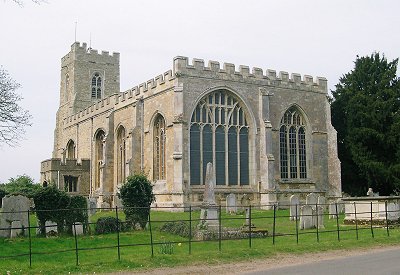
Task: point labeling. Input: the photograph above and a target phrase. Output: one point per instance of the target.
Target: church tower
(87, 77)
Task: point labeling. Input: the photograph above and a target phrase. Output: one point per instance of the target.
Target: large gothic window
(159, 148)
(99, 156)
(121, 154)
(96, 86)
(219, 133)
(292, 144)
(70, 149)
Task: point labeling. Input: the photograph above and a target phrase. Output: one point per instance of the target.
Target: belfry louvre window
(96, 86)
(292, 143)
(159, 148)
(219, 133)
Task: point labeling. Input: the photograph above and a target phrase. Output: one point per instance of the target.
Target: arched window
(219, 133)
(96, 86)
(99, 156)
(121, 154)
(292, 144)
(159, 148)
(70, 149)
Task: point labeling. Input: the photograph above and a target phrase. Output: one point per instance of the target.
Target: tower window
(96, 86)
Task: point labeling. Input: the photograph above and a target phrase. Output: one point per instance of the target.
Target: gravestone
(209, 209)
(332, 210)
(78, 228)
(15, 208)
(312, 199)
(92, 205)
(306, 217)
(294, 207)
(231, 206)
(16, 229)
(341, 205)
(318, 217)
(322, 202)
(51, 228)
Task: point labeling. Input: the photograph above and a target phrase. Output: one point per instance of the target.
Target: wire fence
(253, 222)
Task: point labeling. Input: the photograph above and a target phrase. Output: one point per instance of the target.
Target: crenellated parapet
(68, 165)
(228, 71)
(142, 91)
(81, 50)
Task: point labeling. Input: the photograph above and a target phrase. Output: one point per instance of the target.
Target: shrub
(3, 193)
(106, 225)
(178, 228)
(77, 212)
(22, 185)
(137, 195)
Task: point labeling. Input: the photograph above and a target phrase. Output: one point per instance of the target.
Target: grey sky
(319, 38)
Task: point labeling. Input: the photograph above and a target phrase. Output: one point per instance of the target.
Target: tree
(366, 115)
(13, 118)
(137, 196)
(22, 185)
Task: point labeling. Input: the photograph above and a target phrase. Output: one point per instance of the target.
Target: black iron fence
(249, 223)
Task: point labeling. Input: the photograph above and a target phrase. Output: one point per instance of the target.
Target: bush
(106, 225)
(178, 228)
(22, 185)
(137, 195)
(3, 193)
(77, 212)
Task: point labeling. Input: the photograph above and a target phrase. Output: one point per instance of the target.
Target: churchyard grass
(136, 251)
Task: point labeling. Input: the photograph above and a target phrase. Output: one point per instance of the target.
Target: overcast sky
(319, 38)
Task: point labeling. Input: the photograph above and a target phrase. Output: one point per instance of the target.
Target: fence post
(387, 223)
(76, 246)
(250, 226)
(118, 244)
(273, 226)
(372, 229)
(30, 240)
(337, 222)
(151, 234)
(355, 217)
(297, 226)
(316, 223)
(190, 229)
(219, 228)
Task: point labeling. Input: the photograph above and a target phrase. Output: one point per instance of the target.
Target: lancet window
(121, 154)
(71, 149)
(159, 148)
(219, 133)
(292, 143)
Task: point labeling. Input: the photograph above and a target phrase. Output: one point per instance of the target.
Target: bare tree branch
(13, 118)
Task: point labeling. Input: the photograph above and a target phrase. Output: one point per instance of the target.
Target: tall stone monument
(209, 208)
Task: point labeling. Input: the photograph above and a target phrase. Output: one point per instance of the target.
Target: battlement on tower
(228, 71)
(81, 50)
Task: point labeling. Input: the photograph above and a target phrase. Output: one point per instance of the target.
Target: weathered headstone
(312, 199)
(51, 228)
(318, 217)
(294, 207)
(322, 202)
(231, 206)
(16, 229)
(15, 208)
(78, 229)
(92, 205)
(209, 209)
(341, 205)
(306, 217)
(332, 210)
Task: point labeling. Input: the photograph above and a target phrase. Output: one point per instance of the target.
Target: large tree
(13, 118)
(366, 114)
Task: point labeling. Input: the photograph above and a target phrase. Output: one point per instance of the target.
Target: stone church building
(267, 135)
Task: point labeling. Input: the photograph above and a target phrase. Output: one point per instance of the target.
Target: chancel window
(96, 86)
(159, 148)
(121, 154)
(219, 133)
(292, 144)
(71, 183)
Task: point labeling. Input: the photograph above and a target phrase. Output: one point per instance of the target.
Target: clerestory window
(219, 133)
(96, 86)
(292, 144)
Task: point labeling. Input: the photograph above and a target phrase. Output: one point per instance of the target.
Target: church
(268, 135)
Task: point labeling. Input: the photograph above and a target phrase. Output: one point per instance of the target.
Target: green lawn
(58, 255)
